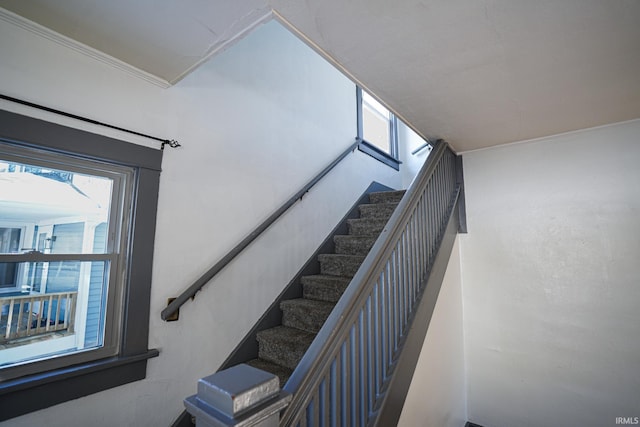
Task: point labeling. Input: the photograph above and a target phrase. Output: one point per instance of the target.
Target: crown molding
(47, 33)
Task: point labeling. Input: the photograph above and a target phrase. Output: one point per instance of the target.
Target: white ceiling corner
(163, 38)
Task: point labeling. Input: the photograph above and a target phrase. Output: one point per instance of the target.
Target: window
(65, 288)
(74, 277)
(377, 130)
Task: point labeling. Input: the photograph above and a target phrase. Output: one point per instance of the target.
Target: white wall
(437, 395)
(255, 124)
(408, 141)
(550, 280)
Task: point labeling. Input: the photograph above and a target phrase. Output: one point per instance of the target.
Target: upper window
(77, 225)
(377, 129)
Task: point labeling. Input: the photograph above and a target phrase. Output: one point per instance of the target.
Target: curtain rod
(170, 142)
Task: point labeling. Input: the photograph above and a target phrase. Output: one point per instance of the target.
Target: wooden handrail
(192, 290)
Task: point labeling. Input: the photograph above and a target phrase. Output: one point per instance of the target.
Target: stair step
(377, 210)
(353, 245)
(366, 226)
(339, 264)
(324, 288)
(386, 196)
(283, 346)
(306, 314)
(281, 372)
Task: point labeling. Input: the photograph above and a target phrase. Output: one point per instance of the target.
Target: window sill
(379, 155)
(27, 394)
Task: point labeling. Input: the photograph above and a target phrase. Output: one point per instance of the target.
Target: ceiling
(477, 73)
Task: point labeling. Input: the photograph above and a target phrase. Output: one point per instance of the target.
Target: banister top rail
(315, 366)
(349, 299)
(192, 290)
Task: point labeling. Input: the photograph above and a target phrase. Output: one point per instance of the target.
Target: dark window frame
(388, 158)
(32, 392)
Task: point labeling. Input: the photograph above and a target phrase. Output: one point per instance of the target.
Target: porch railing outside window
(36, 315)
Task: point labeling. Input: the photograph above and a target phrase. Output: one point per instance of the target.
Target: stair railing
(347, 374)
(192, 290)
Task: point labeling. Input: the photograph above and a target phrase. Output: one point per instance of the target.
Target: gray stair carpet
(282, 347)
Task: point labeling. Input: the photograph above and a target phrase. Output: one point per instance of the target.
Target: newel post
(241, 396)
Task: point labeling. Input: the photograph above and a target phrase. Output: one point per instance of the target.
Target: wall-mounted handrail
(192, 290)
(346, 373)
(423, 146)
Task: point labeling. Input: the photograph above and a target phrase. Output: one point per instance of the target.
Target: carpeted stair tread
(377, 210)
(306, 314)
(386, 196)
(339, 264)
(353, 245)
(366, 226)
(281, 372)
(280, 349)
(323, 287)
(283, 345)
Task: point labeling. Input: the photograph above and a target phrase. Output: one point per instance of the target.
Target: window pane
(9, 240)
(52, 210)
(60, 309)
(375, 123)
(8, 275)
(9, 244)
(375, 129)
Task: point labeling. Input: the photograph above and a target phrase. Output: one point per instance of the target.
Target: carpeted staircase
(282, 347)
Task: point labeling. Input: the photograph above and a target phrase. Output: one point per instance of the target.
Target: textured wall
(437, 395)
(550, 280)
